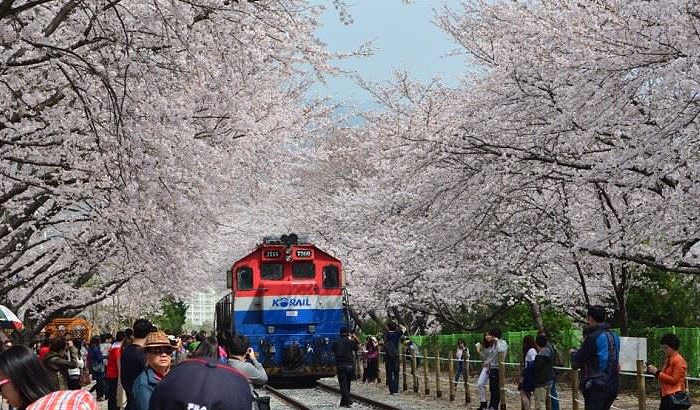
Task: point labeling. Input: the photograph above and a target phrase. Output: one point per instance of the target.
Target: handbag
(260, 402)
(680, 400)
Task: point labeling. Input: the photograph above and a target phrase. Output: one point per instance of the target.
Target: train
(288, 297)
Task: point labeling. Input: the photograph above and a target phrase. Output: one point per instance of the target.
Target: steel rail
(299, 405)
(362, 399)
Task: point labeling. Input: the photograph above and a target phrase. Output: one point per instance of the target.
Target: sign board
(304, 253)
(631, 350)
(272, 254)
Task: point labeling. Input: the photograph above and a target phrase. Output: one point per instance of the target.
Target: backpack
(604, 379)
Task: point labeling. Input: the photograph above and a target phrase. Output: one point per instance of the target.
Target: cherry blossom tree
(127, 131)
(564, 161)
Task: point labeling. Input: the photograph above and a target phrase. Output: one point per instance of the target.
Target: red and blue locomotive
(288, 297)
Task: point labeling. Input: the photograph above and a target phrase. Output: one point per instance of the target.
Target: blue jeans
(460, 367)
(555, 395)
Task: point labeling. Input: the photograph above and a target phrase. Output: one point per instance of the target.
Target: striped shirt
(65, 400)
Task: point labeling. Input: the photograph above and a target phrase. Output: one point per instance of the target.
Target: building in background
(200, 311)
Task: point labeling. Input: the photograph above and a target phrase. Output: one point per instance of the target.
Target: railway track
(318, 398)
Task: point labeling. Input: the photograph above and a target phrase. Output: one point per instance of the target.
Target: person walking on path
(544, 373)
(133, 358)
(461, 355)
(112, 371)
(158, 357)
(97, 367)
(74, 373)
(391, 355)
(527, 378)
(23, 379)
(491, 357)
(121, 393)
(106, 341)
(58, 361)
(343, 349)
(672, 377)
(372, 357)
(481, 349)
(242, 358)
(598, 359)
(556, 360)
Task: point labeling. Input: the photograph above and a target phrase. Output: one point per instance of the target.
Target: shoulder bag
(260, 402)
(680, 400)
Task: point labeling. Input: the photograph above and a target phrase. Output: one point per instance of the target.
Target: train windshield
(271, 271)
(244, 278)
(331, 278)
(303, 270)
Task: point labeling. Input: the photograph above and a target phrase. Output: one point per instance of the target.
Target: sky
(404, 38)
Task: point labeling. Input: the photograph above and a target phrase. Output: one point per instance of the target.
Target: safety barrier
(571, 338)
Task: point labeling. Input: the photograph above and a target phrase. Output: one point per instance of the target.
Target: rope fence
(433, 369)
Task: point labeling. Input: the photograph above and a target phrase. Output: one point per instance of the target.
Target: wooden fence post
(451, 373)
(467, 398)
(641, 385)
(414, 372)
(438, 392)
(502, 378)
(574, 390)
(403, 363)
(425, 372)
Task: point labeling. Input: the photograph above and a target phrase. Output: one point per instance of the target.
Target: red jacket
(113, 356)
(672, 377)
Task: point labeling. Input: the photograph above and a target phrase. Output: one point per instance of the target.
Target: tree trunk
(358, 320)
(536, 314)
(378, 321)
(620, 288)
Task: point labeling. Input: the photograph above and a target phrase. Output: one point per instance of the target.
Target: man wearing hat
(343, 349)
(158, 357)
(202, 384)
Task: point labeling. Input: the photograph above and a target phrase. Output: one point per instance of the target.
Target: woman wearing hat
(158, 357)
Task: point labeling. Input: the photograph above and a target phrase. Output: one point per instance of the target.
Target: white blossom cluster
(565, 161)
(130, 132)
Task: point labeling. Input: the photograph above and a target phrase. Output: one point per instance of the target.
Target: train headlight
(270, 329)
(312, 328)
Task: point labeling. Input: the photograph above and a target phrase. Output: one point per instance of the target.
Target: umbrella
(9, 320)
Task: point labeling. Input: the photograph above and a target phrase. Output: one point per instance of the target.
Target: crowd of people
(597, 358)
(128, 370)
(142, 368)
